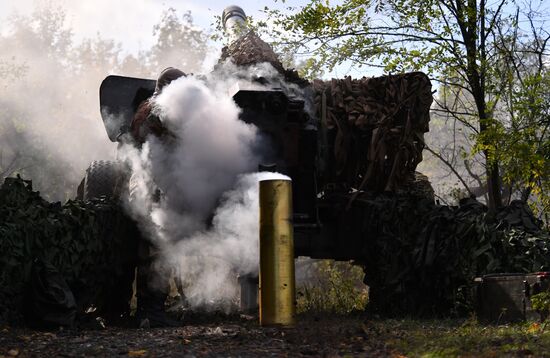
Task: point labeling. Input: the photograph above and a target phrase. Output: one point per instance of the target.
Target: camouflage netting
(421, 259)
(250, 49)
(378, 127)
(89, 243)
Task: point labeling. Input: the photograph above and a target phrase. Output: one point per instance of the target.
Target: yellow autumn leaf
(533, 328)
(137, 353)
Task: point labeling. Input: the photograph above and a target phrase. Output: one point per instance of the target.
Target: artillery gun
(351, 147)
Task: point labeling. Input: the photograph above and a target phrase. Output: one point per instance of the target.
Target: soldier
(152, 288)
(145, 122)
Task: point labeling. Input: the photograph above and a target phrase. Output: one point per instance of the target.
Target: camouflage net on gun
(250, 49)
(378, 125)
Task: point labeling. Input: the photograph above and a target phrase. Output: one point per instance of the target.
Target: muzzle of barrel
(234, 21)
(277, 280)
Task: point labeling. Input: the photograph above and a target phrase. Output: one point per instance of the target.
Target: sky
(130, 21)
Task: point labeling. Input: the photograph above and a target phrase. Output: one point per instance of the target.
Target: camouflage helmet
(166, 76)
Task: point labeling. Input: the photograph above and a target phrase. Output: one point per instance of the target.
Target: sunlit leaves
(458, 43)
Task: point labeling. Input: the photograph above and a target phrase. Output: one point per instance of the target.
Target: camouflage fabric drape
(92, 244)
(421, 259)
(379, 126)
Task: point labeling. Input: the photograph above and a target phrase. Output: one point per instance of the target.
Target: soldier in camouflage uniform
(145, 122)
(152, 288)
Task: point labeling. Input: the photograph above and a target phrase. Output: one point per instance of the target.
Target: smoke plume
(212, 259)
(50, 123)
(195, 192)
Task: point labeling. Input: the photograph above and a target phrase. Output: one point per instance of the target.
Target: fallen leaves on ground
(313, 336)
(138, 353)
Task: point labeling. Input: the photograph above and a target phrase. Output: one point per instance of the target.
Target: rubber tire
(103, 178)
(109, 179)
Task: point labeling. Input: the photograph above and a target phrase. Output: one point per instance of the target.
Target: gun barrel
(233, 21)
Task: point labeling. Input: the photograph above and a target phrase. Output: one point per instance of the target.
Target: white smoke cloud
(49, 122)
(206, 221)
(50, 73)
(214, 257)
(212, 147)
(126, 21)
(228, 76)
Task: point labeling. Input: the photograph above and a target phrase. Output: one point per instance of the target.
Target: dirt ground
(236, 337)
(355, 335)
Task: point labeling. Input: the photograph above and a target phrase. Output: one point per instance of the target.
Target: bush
(541, 303)
(332, 287)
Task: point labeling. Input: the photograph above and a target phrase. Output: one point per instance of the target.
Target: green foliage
(179, 43)
(478, 51)
(541, 303)
(525, 147)
(332, 287)
(460, 338)
(395, 35)
(470, 245)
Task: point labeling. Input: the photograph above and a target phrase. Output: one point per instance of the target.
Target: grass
(331, 287)
(335, 288)
(460, 338)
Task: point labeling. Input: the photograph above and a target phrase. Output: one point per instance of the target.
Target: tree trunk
(493, 183)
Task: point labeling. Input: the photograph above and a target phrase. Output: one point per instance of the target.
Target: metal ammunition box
(505, 297)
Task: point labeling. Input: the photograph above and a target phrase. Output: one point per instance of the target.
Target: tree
(454, 41)
(50, 125)
(179, 43)
(525, 153)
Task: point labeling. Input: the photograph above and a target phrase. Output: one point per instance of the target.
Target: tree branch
(451, 167)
